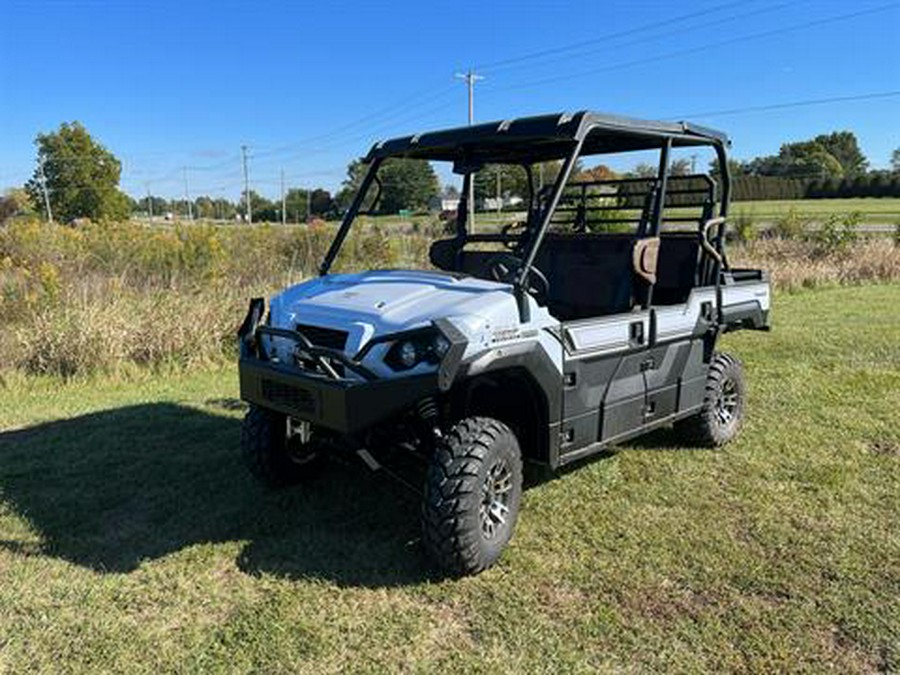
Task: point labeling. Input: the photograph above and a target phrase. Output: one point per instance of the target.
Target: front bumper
(342, 405)
(325, 397)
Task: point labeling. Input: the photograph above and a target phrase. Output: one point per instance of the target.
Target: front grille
(295, 398)
(324, 337)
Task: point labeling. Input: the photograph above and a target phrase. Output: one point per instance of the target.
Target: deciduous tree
(405, 184)
(82, 176)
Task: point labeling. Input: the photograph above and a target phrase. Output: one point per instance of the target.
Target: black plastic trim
(531, 357)
(342, 405)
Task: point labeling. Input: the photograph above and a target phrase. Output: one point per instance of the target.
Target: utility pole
(249, 213)
(470, 78)
(283, 211)
(694, 163)
(308, 203)
(44, 190)
(149, 202)
(187, 196)
(499, 203)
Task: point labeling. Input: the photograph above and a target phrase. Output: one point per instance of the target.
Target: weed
(744, 227)
(837, 234)
(106, 296)
(791, 225)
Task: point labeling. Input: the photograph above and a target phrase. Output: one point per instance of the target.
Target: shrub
(743, 227)
(837, 234)
(792, 225)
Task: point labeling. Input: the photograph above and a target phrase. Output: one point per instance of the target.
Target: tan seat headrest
(645, 257)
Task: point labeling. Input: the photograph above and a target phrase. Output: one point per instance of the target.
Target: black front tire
(472, 494)
(722, 414)
(269, 454)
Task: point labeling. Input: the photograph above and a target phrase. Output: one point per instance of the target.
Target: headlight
(407, 354)
(441, 345)
(429, 347)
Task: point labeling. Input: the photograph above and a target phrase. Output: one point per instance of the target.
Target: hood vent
(329, 338)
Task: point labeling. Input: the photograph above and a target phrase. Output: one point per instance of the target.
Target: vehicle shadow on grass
(111, 489)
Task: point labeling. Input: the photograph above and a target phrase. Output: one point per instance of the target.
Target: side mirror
(465, 166)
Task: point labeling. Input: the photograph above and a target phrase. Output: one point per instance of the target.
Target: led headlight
(429, 347)
(407, 354)
(440, 346)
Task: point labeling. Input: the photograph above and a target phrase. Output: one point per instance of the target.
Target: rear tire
(269, 454)
(722, 414)
(472, 494)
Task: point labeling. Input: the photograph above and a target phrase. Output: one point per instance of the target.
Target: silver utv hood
(380, 302)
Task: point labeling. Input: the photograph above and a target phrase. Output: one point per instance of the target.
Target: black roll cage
(527, 141)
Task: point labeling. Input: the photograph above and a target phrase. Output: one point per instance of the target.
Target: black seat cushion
(590, 274)
(676, 271)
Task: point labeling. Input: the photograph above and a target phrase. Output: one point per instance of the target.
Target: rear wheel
(720, 418)
(275, 453)
(472, 495)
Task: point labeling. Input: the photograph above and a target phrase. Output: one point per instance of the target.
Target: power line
(693, 50)
(658, 36)
(503, 63)
(428, 98)
(370, 135)
(792, 104)
(405, 104)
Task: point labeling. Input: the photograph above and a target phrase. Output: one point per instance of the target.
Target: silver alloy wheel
(495, 492)
(727, 402)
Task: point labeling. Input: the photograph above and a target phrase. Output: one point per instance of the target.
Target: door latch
(636, 333)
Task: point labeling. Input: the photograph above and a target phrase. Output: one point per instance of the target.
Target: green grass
(131, 539)
(880, 211)
(884, 211)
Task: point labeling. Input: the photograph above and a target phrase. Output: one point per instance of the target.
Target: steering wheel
(504, 267)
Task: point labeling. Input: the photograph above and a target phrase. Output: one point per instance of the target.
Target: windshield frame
(534, 236)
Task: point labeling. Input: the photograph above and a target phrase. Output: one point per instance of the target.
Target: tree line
(77, 177)
(827, 166)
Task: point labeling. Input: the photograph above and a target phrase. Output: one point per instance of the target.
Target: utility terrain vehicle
(590, 321)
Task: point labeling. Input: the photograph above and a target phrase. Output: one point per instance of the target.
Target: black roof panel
(544, 137)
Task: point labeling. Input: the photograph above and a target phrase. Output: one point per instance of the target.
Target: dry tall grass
(795, 264)
(89, 299)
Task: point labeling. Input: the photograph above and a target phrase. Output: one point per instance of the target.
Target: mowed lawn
(132, 540)
(874, 211)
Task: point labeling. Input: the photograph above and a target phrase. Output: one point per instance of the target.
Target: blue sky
(308, 86)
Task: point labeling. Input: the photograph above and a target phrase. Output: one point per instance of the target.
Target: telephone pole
(45, 191)
(249, 213)
(308, 203)
(187, 196)
(470, 78)
(283, 211)
(149, 202)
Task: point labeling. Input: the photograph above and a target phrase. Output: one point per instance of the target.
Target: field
(132, 540)
(882, 212)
